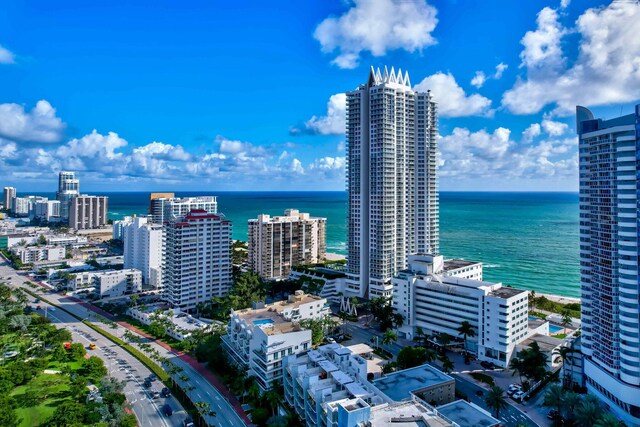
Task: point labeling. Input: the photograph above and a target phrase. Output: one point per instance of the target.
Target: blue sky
(220, 96)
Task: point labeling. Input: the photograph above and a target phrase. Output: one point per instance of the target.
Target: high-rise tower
(391, 180)
(68, 188)
(609, 223)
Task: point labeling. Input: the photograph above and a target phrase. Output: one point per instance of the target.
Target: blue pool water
(553, 329)
(533, 318)
(262, 322)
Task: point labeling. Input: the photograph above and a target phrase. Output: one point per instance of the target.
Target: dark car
(166, 392)
(553, 414)
(147, 383)
(487, 365)
(168, 411)
(188, 422)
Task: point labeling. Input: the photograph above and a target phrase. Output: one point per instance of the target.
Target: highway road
(123, 366)
(203, 390)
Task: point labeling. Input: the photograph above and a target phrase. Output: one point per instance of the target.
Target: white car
(518, 395)
(331, 340)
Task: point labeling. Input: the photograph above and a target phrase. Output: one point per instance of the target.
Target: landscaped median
(135, 352)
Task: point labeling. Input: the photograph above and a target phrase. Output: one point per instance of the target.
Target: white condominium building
(144, 249)
(430, 298)
(392, 180)
(108, 283)
(280, 242)
(9, 193)
(164, 209)
(609, 196)
(68, 188)
(20, 206)
(47, 210)
(87, 212)
(31, 254)
(117, 228)
(258, 339)
(197, 259)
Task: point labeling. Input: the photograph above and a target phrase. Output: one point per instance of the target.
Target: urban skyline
(502, 108)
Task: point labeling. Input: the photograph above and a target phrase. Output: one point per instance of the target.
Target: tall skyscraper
(144, 249)
(280, 242)
(9, 194)
(68, 188)
(609, 201)
(164, 209)
(391, 180)
(197, 259)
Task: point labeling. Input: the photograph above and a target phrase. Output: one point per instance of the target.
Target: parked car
(147, 383)
(331, 340)
(155, 394)
(166, 392)
(188, 422)
(168, 411)
(487, 365)
(553, 414)
(518, 395)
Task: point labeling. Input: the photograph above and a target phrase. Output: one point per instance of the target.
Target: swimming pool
(263, 322)
(553, 329)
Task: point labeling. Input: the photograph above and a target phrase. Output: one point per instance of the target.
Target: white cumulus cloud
(554, 128)
(500, 68)
(39, 125)
(452, 99)
(605, 71)
(333, 123)
(479, 79)
(6, 56)
(377, 26)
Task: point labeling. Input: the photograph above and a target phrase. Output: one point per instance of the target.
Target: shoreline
(560, 298)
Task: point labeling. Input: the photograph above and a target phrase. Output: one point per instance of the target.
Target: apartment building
(47, 210)
(144, 249)
(31, 254)
(108, 283)
(9, 193)
(164, 209)
(87, 212)
(197, 259)
(434, 299)
(278, 243)
(68, 188)
(392, 180)
(609, 158)
(259, 338)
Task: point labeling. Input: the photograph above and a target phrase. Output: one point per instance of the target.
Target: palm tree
(495, 400)
(420, 336)
(588, 410)
(272, 397)
(566, 319)
(254, 392)
(447, 365)
(344, 317)
(444, 339)
(554, 397)
(466, 330)
(569, 402)
(389, 337)
(430, 355)
(608, 420)
(532, 300)
(565, 354)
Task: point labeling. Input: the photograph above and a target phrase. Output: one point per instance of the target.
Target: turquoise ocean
(526, 240)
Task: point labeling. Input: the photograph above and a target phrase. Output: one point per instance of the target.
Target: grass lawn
(561, 336)
(478, 376)
(34, 413)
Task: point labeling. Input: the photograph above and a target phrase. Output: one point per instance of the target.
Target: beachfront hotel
(609, 160)
(68, 188)
(163, 209)
(437, 295)
(391, 180)
(278, 243)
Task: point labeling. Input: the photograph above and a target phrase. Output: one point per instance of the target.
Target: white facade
(68, 188)
(430, 298)
(87, 212)
(391, 180)
(164, 209)
(47, 210)
(117, 228)
(178, 325)
(198, 259)
(610, 277)
(9, 193)
(278, 243)
(108, 283)
(258, 339)
(144, 249)
(20, 206)
(31, 254)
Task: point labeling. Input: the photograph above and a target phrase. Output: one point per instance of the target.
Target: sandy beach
(560, 299)
(334, 257)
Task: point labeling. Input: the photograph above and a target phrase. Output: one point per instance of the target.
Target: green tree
(587, 411)
(317, 329)
(566, 318)
(41, 240)
(272, 397)
(8, 416)
(93, 367)
(444, 339)
(608, 420)
(133, 299)
(157, 329)
(76, 352)
(247, 289)
(532, 300)
(20, 322)
(68, 413)
(410, 357)
(447, 365)
(21, 296)
(466, 330)
(495, 400)
(554, 397)
(389, 337)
